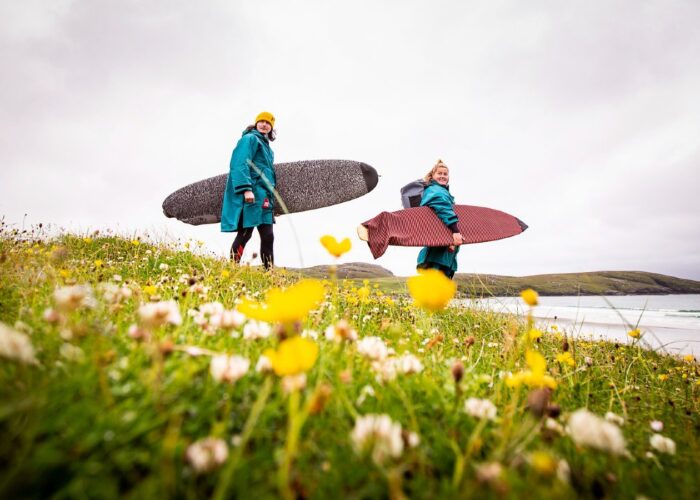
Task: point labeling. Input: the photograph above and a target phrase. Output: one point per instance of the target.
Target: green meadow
(128, 369)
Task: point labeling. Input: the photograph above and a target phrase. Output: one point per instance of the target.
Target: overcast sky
(582, 118)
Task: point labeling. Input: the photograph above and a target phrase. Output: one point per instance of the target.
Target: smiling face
(263, 127)
(442, 176)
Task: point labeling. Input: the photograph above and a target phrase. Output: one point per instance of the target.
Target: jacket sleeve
(239, 168)
(442, 205)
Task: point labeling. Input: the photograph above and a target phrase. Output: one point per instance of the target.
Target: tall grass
(110, 409)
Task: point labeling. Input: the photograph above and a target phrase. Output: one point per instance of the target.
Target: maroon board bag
(419, 227)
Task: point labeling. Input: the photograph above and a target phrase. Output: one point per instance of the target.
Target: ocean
(669, 323)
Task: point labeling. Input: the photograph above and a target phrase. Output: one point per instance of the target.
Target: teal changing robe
(441, 201)
(253, 148)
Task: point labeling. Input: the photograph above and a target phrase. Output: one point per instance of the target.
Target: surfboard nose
(522, 225)
(370, 176)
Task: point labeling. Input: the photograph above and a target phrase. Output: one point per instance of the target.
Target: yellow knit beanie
(266, 116)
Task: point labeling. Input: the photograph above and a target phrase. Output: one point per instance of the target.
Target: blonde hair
(429, 176)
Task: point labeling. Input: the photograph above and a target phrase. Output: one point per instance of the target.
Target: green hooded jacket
(251, 169)
(438, 198)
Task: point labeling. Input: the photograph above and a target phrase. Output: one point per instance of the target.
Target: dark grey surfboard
(302, 185)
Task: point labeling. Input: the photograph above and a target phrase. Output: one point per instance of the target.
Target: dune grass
(107, 399)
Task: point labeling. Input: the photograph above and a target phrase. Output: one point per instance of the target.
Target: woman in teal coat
(437, 196)
(249, 195)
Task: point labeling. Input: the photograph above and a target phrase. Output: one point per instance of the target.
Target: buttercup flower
(480, 408)
(294, 356)
(635, 334)
(207, 454)
(379, 436)
(334, 247)
(534, 377)
(663, 444)
(588, 429)
(431, 289)
(530, 297)
(566, 358)
(286, 306)
(225, 368)
(16, 345)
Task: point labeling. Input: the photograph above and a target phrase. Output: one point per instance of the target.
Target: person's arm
(239, 169)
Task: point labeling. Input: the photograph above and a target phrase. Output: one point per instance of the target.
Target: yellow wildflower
(99, 263)
(534, 334)
(431, 289)
(530, 297)
(87, 239)
(663, 377)
(566, 358)
(150, 290)
(543, 463)
(689, 358)
(225, 273)
(285, 306)
(334, 247)
(536, 376)
(135, 242)
(65, 273)
(635, 334)
(294, 356)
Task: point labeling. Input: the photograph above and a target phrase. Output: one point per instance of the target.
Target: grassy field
(127, 369)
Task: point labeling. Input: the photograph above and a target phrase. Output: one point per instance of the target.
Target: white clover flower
(291, 383)
(51, 315)
(489, 472)
(554, 426)
(341, 331)
(372, 348)
(408, 364)
(367, 390)
(114, 293)
(254, 330)
(588, 429)
(379, 436)
(117, 277)
(385, 369)
(614, 419)
(163, 266)
(231, 319)
(412, 439)
(663, 444)
(225, 368)
(155, 314)
(480, 408)
(311, 334)
(656, 425)
(207, 454)
(207, 316)
(72, 352)
(264, 365)
(564, 471)
(16, 345)
(70, 298)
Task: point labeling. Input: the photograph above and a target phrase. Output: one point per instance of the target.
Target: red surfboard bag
(418, 227)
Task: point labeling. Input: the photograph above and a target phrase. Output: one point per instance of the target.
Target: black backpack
(412, 193)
